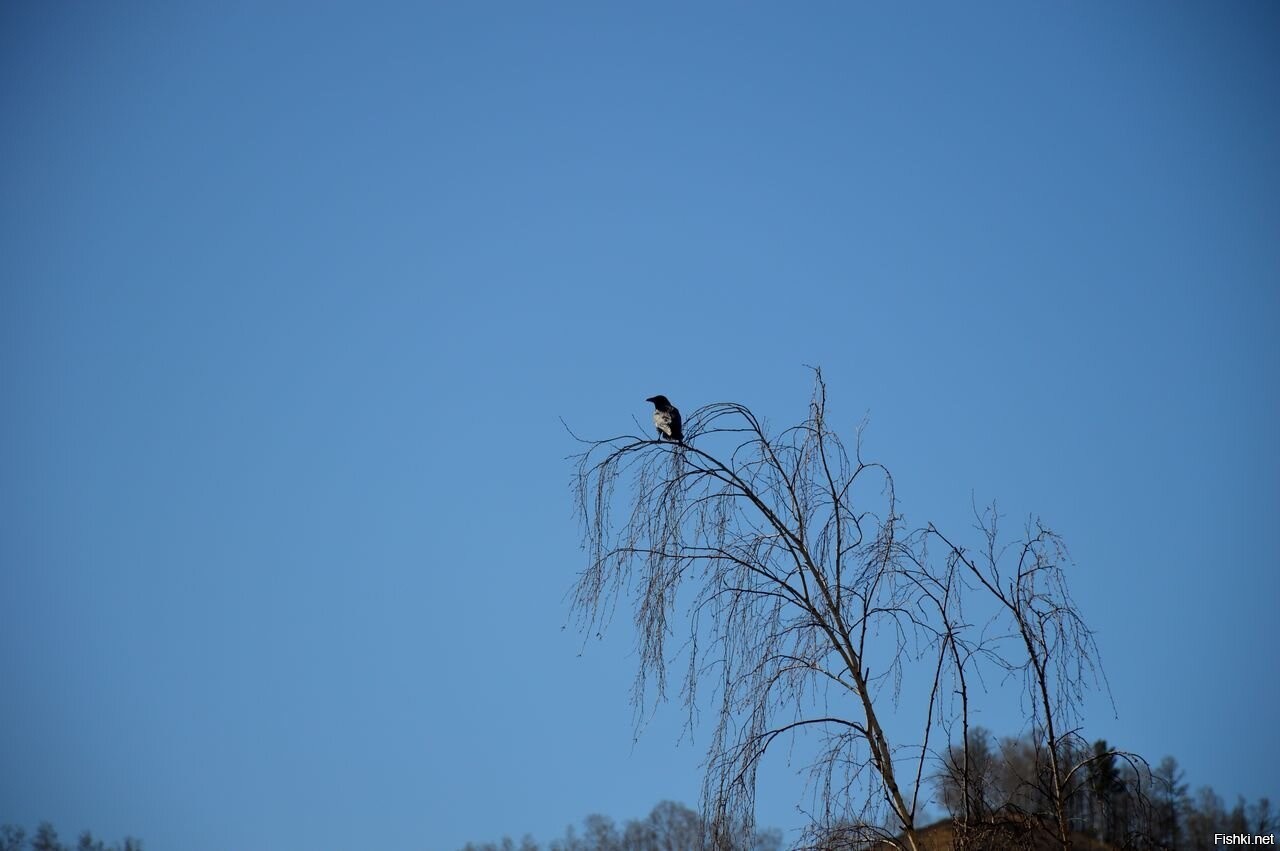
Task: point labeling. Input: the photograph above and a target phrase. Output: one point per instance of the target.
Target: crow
(667, 419)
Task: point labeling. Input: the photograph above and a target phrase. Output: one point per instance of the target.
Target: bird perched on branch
(667, 419)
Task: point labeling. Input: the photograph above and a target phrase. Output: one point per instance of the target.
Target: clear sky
(294, 295)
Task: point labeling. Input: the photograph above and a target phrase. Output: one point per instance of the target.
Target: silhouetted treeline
(1119, 801)
(45, 838)
(669, 827)
(1119, 798)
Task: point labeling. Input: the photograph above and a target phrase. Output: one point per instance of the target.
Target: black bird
(667, 419)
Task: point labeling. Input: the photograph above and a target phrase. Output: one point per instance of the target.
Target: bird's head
(659, 401)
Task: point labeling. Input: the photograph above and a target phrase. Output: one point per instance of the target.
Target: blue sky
(294, 296)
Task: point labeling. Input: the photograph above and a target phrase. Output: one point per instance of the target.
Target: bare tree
(810, 601)
(1060, 778)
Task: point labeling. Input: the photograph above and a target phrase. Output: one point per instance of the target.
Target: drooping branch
(801, 578)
